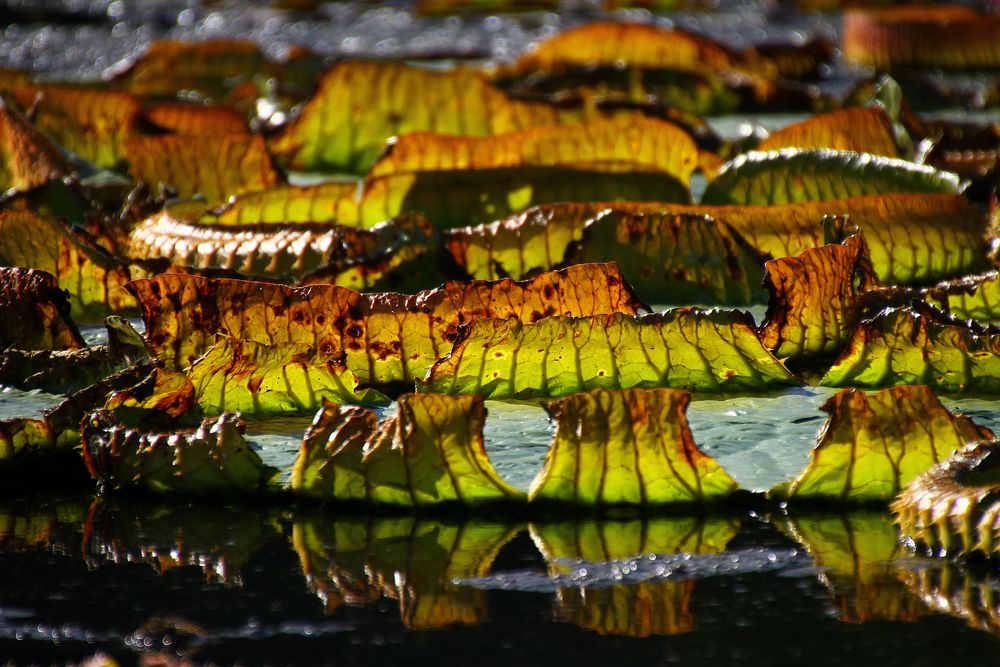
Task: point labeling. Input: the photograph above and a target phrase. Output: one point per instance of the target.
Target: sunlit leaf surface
(904, 346)
(861, 130)
(683, 348)
(29, 158)
(874, 444)
(430, 452)
(626, 447)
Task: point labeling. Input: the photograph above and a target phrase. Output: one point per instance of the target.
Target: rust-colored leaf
(28, 158)
(196, 119)
(34, 312)
(862, 130)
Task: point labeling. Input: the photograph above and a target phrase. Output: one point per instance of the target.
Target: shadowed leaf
(626, 447)
(28, 158)
(213, 460)
(196, 119)
(793, 175)
(683, 348)
(874, 444)
(34, 312)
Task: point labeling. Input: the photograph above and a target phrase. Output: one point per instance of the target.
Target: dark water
(283, 585)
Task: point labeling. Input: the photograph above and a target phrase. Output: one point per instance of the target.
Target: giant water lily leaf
(325, 202)
(90, 122)
(874, 444)
(383, 338)
(631, 44)
(163, 393)
(973, 297)
(213, 460)
(956, 504)
(34, 312)
(626, 447)
(282, 252)
(684, 348)
(460, 197)
(797, 175)
(264, 380)
(215, 167)
(911, 238)
(29, 159)
(615, 145)
(859, 129)
(815, 299)
(96, 285)
(629, 609)
(683, 258)
(950, 36)
(858, 553)
(211, 68)
(196, 119)
(360, 105)
(418, 562)
(903, 346)
(430, 452)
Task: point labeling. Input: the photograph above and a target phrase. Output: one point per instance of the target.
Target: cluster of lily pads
(501, 236)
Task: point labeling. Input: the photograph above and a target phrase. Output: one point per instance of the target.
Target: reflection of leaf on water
(218, 538)
(957, 592)
(637, 609)
(354, 561)
(54, 525)
(858, 553)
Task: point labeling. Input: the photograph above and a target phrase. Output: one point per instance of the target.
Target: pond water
(298, 584)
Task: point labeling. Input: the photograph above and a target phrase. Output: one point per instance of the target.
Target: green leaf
(904, 346)
(874, 444)
(972, 297)
(266, 380)
(626, 447)
(213, 460)
(430, 452)
(683, 348)
(793, 175)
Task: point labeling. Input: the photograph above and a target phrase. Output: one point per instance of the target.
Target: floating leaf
(858, 553)
(682, 258)
(794, 175)
(430, 452)
(859, 129)
(383, 338)
(213, 460)
(683, 348)
(211, 67)
(196, 119)
(360, 105)
(264, 380)
(90, 122)
(615, 145)
(903, 346)
(29, 159)
(34, 312)
(629, 44)
(815, 299)
(357, 561)
(282, 252)
(629, 609)
(911, 238)
(972, 297)
(874, 444)
(96, 285)
(215, 167)
(326, 202)
(956, 504)
(950, 36)
(163, 392)
(626, 447)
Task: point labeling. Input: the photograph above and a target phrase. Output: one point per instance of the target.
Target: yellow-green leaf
(626, 447)
(858, 129)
